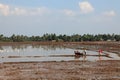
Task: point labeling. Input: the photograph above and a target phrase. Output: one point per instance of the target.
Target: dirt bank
(70, 70)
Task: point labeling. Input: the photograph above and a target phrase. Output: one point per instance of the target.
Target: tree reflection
(1, 48)
(19, 47)
(52, 47)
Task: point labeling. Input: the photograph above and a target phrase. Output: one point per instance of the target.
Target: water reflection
(25, 47)
(77, 58)
(50, 47)
(19, 47)
(1, 48)
(100, 58)
(54, 47)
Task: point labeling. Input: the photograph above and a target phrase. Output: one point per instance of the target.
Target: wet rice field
(58, 62)
(28, 53)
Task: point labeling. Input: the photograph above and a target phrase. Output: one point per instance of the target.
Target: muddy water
(26, 53)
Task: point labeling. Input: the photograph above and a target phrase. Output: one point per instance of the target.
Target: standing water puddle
(27, 53)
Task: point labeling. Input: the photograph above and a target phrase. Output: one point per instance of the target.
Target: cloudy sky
(36, 17)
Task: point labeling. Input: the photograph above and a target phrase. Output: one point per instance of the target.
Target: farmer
(100, 51)
(84, 51)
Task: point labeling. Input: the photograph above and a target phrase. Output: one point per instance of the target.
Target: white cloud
(69, 12)
(4, 9)
(19, 11)
(86, 7)
(109, 13)
(39, 11)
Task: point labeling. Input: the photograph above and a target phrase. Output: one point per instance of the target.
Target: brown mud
(64, 70)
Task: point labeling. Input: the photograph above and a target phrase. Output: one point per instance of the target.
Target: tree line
(62, 38)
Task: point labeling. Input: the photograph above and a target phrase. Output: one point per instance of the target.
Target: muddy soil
(68, 70)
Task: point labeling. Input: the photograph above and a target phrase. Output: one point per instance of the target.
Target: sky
(37, 17)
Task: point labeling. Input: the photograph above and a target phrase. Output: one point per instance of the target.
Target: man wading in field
(84, 51)
(100, 52)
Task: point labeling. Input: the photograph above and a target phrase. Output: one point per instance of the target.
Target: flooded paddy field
(54, 61)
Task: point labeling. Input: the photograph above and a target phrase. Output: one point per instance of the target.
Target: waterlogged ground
(57, 62)
(28, 53)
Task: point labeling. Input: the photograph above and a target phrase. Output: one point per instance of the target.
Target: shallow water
(26, 53)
